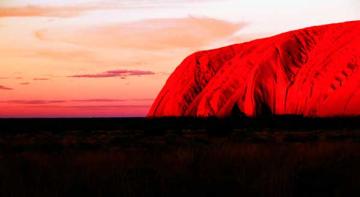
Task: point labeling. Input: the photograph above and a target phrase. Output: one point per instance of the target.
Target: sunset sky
(73, 58)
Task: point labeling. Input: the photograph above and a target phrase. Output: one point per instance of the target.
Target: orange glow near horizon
(110, 58)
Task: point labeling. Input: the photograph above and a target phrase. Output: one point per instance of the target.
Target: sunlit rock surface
(310, 72)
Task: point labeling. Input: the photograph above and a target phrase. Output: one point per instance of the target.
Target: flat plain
(278, 156)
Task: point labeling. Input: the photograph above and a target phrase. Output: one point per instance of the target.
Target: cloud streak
(47, 102)
(100, 107)
(40, 79)
(115, 73)
(42, 11)
(98, 100)
(5, 88)
(151, 34)
(32, 102)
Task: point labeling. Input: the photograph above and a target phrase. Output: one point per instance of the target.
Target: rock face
(310, 72)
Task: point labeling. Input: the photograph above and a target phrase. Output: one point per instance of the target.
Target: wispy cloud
(151, 34)
(100, 107)
(40, 79)
(5, 88)
(33, 102)
(93, 100)
(98, 100)
(24, 83)
(37, 11)
(70, 9)
(115, 73)
(91, 108)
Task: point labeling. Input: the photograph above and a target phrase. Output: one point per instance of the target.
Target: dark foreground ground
(283, 156)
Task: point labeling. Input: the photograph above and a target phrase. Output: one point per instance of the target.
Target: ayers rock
(312, 72)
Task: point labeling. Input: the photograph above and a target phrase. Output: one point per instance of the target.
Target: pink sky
(111, 58)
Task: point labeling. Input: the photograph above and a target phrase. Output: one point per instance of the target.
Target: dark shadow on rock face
(263, 110)
(236, 112)
(261, 106)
